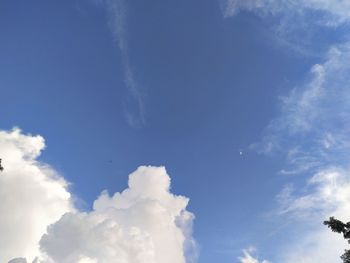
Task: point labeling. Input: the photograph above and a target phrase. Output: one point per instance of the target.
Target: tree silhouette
(340, 227)
(1, 168)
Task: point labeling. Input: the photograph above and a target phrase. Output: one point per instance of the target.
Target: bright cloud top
(248, 258)
(145, 223)
(32, 194)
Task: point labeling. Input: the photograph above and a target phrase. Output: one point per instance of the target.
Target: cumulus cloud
(145, 223)
(248, 258)
(32, 195)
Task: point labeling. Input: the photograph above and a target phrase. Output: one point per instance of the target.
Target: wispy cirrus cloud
(312, 133)
(326, 194)
(133, 105)
(331, 12)
(312, 129)
(295, 24)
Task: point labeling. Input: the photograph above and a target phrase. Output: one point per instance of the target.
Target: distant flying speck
(240, 153)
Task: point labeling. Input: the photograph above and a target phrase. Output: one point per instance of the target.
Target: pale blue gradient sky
(188, 89)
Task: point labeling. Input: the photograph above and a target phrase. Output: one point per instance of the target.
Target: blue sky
(244, 103)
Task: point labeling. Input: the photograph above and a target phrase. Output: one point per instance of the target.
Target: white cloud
(118, 22)
(314, 121)
(334, 12)
(134, 111)
(18, 260)
(296, 25)
(248, 258)
(327, 193)
(320, 245)
(322, 96)
(145, 224)
(312, 131)
(329, 196)
(32, 195)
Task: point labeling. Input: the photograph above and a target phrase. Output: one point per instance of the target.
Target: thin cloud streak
(133, 107)
(331, 12)
(313, 126)
(294, 24)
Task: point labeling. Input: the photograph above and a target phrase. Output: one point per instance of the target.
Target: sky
(174, 131)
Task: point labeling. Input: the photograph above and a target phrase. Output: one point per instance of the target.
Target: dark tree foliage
(1, 168)
(339, 227)
(346, 256)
